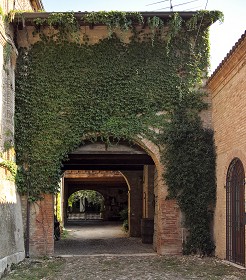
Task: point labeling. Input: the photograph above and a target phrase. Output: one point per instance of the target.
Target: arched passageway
(124, 175)
(110, 184)
(146, 195)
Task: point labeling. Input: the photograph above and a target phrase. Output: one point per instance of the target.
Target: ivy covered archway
(148, 85)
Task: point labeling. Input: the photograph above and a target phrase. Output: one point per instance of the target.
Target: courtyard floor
(99, 237)
(103, 251)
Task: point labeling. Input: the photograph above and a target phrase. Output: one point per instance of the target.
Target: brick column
(42, 226)
(167, 239)
(169, 228)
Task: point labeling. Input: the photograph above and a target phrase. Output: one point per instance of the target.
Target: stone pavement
(99, 238)
(132, 267)
(117, 268)
(101, 250)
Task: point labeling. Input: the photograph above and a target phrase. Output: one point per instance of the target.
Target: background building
(227, 87)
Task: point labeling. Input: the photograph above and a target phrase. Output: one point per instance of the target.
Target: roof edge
(185, 15)
(227, 57)
(43, 15)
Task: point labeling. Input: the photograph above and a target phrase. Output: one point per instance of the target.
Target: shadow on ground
(99, 238)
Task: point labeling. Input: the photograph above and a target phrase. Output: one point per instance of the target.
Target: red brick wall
(169, 238)
(42, 227)
(227, 88)
(167, 218)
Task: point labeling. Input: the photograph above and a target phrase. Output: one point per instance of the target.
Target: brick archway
(166, 213)
(129, 160)
(141, 166)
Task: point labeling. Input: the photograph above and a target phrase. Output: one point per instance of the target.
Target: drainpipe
(27, 227)
(27, 251)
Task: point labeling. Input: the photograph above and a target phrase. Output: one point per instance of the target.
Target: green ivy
(113, 19)
(189, 160)
(11, 167)
(67, 92)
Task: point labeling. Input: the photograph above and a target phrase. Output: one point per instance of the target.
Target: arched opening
(235, 213)
(83, 185)
(85, 204)
(123, 174)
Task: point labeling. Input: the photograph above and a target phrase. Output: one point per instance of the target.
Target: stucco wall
(11, 227)
(9, 5)
(228, 89)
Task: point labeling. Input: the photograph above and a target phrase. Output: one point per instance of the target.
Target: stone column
(148, 192)
(135, 201)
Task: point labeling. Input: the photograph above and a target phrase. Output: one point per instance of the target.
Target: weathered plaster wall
(11, 231)
(11, 228)
(9, 5)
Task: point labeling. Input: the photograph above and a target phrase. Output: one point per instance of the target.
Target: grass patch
(64, 233)
(204, 268)
(37, 269)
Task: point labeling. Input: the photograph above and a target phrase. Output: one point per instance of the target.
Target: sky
(223, 36)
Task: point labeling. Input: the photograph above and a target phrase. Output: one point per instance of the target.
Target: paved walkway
(102, 251)
(100, 238)
(123, 268)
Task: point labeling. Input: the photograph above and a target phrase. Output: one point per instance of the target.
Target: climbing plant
(69, 90)
(11, 167)
(189, 159)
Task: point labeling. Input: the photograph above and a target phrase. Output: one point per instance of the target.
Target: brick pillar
(135, 201)
(42, 227)
(169, 240)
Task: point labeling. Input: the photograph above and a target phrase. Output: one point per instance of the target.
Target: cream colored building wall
(8, 5)
(228, 92)
(11, 226)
